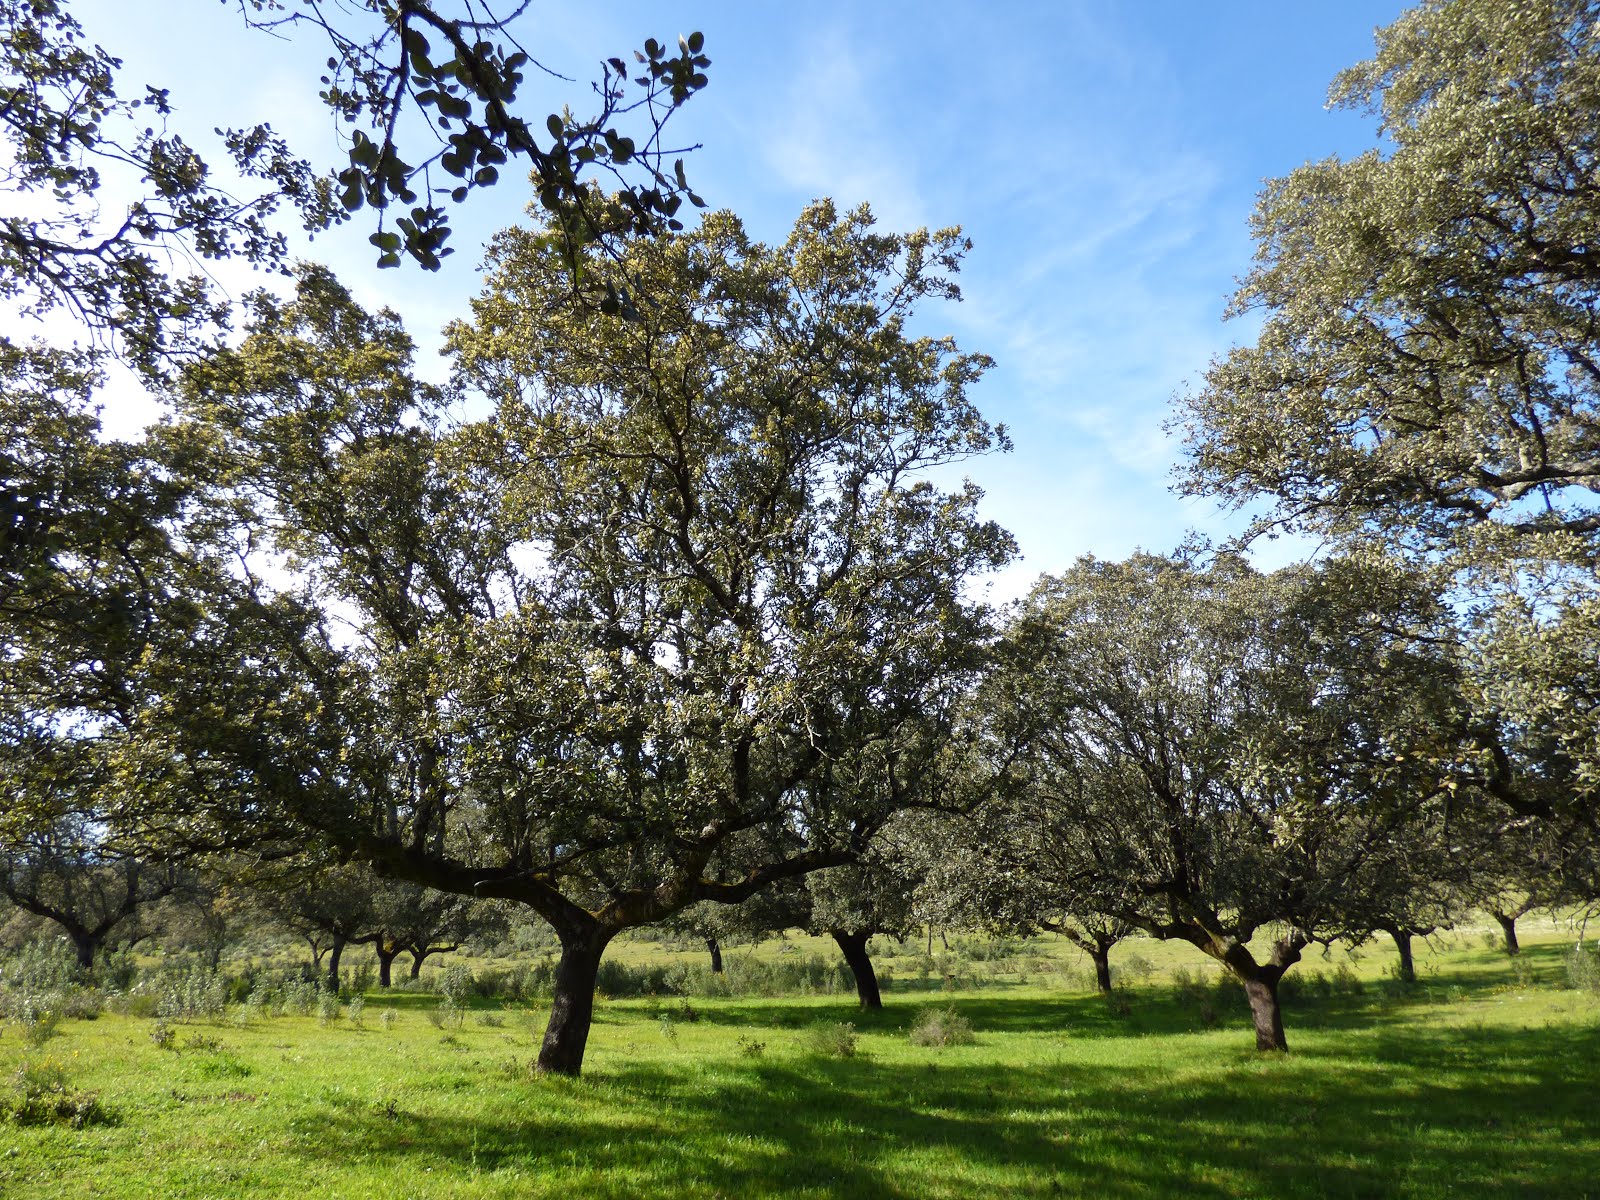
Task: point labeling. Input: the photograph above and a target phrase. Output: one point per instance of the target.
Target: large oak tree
(684, 616)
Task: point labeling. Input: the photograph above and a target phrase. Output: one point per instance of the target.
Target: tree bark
(1508, 926)
(1260, 981)
(416, 964)
(385, 962)
(716, 955)
(335, 952)
(854, 947)
(572, 998)
(1262, 992)
(85, 945)
(1402, 943)
(1102, 967)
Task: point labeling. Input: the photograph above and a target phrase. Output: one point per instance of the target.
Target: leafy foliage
(1428, 369)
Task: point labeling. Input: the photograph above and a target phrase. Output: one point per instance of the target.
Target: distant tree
(327, 906)
(1214, 754)
(98, 899)
(853, 904)
(1001, 873)
(685, 618)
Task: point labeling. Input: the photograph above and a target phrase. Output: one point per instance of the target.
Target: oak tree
(684, 617)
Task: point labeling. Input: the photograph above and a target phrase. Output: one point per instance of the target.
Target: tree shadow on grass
(1403, 1110)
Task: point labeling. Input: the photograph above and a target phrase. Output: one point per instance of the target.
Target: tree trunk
(385, 961)
(572, 1000)
(1102, 967)
(716, 955)
(416, 964)
(854, 946)
(335, 952)
(85, 946)
(1508, 925)
(1262, 992)
(1402, 943)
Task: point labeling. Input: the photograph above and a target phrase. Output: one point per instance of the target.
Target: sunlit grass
(1480, 1081)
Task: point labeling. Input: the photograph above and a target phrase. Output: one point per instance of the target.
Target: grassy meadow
(1481, 1080)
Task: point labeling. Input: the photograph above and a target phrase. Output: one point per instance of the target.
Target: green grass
(1482, 1081)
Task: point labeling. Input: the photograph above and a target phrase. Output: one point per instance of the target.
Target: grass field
(1484, 1080)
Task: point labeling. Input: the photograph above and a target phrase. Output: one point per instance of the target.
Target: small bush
(47, 966)
(830, 1039)
(941, 1027)
(751, 1048)
(39, 1017)
(42, 1095)
(162, 1036)
(387, 1018)
(447, 1015)
(357, 1010)
(132, 1004)
(193, 995)
(456, 985)
(327, 1008)
(1583, 968)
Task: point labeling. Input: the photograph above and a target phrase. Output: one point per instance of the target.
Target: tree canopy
(1429, 365)
(683, 617)
(73, 129)
(1213, 754)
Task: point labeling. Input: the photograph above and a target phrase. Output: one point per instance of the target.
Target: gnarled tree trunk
(335, 952)
(572, 998)
(1101, 954)
(1508, 926)
(1402, 943)
(854, 947)
(1262, 992)
(386, 956)
(716, 955)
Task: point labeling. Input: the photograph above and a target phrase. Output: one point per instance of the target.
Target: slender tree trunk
(385, 962)
(716, 955)
(1262, 992)
(1402, 943)
(1102, 967)
(335, 952)
(854, 946)
(1508, 925)
(572, 998)
(416, 964)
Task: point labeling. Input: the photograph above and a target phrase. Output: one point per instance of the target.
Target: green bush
(1583, 968)
(41, 1094)
(192, 995)
(830, 1039)
(941, 1027)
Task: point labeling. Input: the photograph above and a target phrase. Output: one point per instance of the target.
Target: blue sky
(1103, 157)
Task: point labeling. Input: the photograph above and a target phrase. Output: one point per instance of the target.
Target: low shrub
(830, 1039)
(41, 1094)
(941, 1027)
(1583, 968)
